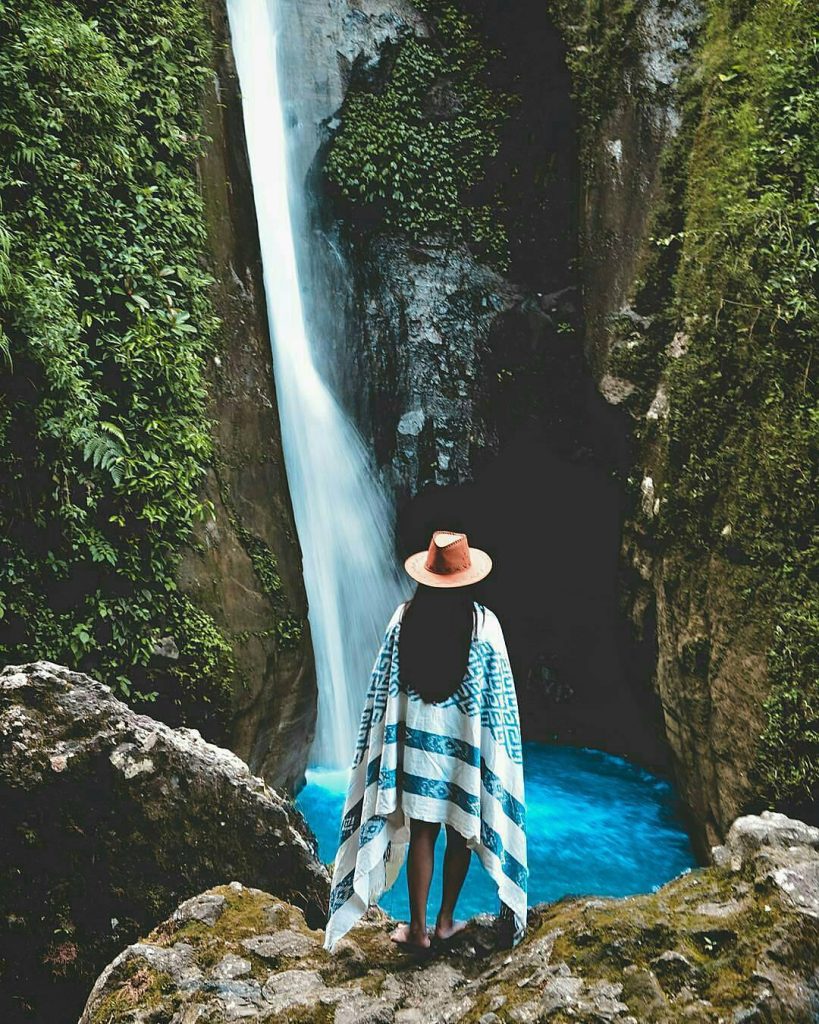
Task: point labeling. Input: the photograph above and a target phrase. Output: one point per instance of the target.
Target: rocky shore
(737, 941)
(110, 819)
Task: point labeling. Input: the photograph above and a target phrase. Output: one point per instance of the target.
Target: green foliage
(412, 150)
(636, 355)
(106, 319)
(733, 265)
(789, 755)
(205, 655)
(744, 422)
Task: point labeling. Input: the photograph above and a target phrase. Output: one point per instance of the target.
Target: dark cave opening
(548, 503)
(552, 525)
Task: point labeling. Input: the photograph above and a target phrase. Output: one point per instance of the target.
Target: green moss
(637, 354)
(413, 148)
(788, 761)
(731, 267)
(205, 655)
(264, 564)
(599, 940)
(106, 322)
(246, 914)
(243, 917)
(743, 433)
(321, 1014)
(141, 986)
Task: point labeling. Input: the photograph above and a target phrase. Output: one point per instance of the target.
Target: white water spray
(344, 520)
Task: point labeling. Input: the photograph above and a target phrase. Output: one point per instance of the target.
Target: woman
(439, 743)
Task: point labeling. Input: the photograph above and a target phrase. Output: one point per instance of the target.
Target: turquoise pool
(596, 825)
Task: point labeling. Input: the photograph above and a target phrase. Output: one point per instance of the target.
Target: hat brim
(481, 566)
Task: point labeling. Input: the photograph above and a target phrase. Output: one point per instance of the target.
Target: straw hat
(448, 562)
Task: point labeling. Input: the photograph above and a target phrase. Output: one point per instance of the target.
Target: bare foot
(409, 939)
(446, 931)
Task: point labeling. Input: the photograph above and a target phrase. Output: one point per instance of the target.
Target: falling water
(343, 519)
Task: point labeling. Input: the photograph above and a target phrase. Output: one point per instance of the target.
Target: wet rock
(673, 970)
(110, 819)
(800, 882)
(784, 852)
(421, 359)
(166, 647)
(294, 988)
(641, 988)
(769, 829)
(615, 389)
(561, 992)
(231, 967)
(659, 408)
(207, 908)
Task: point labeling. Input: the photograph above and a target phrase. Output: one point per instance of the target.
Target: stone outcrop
(110, 818)
(244, 567)
(735, 942)
(423, 358)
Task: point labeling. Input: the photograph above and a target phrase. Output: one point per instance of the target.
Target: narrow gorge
(507, 343)
(285, 285)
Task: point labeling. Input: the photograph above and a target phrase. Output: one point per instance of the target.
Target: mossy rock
(715, 944)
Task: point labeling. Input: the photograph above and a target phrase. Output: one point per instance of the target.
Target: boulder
(722, 943)
(110, 819)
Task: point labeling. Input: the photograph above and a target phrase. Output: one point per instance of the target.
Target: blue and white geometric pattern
(488, 690)
(458, 762)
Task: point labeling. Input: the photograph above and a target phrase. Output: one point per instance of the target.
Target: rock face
(423, 358)
(109, 819)
(449, 356)
(623, 182)
(245, 565)
(735, 942)
(712, 678)
(703, 652)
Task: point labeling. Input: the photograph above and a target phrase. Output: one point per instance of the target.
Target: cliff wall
(523, 333)
(245, 566)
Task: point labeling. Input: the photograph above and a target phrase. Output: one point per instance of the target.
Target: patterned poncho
(457, 762)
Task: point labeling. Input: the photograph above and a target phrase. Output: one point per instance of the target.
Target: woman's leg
(420, 862)
(456, 865)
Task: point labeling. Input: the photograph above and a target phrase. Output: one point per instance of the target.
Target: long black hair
(434, 642)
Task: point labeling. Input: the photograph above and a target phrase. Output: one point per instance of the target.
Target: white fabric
(458, 762)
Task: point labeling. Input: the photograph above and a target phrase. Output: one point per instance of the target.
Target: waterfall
(344, 520)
